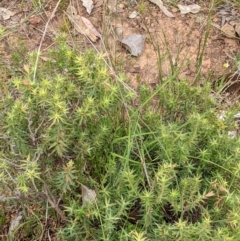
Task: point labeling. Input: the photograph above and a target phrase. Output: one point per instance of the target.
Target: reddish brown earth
(184, 35)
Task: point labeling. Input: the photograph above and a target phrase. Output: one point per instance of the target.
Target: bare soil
(176, 39)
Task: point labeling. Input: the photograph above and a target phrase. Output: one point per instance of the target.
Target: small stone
(121, 6)
(175, 10)
(215, 20)
(133, 14)
(35, 20)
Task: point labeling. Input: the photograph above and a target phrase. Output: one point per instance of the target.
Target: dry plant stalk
(43, 36)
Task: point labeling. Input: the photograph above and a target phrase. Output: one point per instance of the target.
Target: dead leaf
(15, 222)
(88, 4)
(134, 43)
(223, 189)
(45, 59)
(214, 184)
(237, 116)
(218, 202)
(88, 195)
(228, 30)
(98, 4)
(194, 8)
(237, 29)
(209, 194)
(91, 27)
(26, 68)
(159, 3)
(232, 134)
(80, 25)
(5, 13)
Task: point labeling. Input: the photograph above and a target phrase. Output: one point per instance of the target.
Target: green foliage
(18, 54)
(164, 169)
(191, 175)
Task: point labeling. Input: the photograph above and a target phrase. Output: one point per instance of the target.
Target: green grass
(161, 161)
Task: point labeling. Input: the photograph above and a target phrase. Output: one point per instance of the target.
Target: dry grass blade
(43, 36)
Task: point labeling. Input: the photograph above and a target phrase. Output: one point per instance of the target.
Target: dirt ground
(178, 39)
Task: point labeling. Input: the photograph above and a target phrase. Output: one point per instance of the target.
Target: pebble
(175, 10)
(121, 6)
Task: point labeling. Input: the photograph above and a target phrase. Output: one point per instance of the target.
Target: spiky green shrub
(57, 130)
(165, 168)
(173, 176)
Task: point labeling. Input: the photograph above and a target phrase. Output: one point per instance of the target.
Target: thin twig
(144, 166)
(33, 134)
(49, 237)
(43, 36)
(53, 203)
(39, 30)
